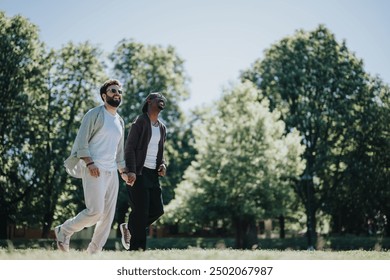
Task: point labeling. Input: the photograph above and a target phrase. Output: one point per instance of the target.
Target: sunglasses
(114, 90)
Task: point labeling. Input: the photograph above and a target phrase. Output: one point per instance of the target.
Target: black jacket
(137, 144)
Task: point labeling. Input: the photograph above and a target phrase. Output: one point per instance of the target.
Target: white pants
(100, 195)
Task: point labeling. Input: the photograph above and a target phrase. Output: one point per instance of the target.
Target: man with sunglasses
(97, 154)
(144, 155)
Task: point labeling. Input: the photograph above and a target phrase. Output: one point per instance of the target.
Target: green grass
(341, 243)
(342, 248)
(193, 254)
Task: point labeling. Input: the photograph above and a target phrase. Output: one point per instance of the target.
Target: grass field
(193, 254)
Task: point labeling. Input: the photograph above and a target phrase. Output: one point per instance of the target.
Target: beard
(111, 101)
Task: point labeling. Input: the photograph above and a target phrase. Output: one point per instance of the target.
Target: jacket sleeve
(131, 146)
(80, 146)
(165, 138)
(120, 158)
(83, 136)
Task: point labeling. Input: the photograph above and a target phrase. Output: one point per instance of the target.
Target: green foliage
(20, 50)
(363, 189)
(180, 152)
(44, 96)
(144, 69)
(59, 87)
(321, 89)
(69, 88)
(244, 166)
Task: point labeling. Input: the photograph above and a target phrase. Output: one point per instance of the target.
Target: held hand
(162, 170)
(124, 176)
(93, 170)
(131, 177)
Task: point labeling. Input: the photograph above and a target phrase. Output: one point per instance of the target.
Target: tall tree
(321, 89)
(244, 167)
(69, 89)
(360, 175)
(20, 50)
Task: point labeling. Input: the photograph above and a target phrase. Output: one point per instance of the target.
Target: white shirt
(104, 144)
(151, 154)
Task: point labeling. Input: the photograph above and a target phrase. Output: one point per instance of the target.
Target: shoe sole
(125, 245)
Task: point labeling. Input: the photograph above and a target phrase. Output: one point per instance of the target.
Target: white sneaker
(126, 236)
(62, 239)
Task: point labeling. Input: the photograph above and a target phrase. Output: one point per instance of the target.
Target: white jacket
(92, 121)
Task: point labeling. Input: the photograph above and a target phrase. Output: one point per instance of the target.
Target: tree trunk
(238, 227)
(282, 227)
(3, 216)
(311, 228)
(49, 209)
(246, 232)
(310, 214)
(48, 222)
(336, 224)
(387, 227)
(51, 202)
(3, 223)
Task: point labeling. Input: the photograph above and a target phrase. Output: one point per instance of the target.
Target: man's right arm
(82, 139)
(131, 146)
(84, 135)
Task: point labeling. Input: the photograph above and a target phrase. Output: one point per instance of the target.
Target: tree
(20, 50)
(146, 68)
(321, 89)
(70, 88)
(361, 205)
(244, 167)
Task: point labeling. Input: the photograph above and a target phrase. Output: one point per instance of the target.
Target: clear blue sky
(216, 38)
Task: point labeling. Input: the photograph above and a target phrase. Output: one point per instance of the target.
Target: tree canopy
(245, 165)
(322, 90)
(20, 49)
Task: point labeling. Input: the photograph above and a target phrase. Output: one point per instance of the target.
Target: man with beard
(97, 154)
(144, 155)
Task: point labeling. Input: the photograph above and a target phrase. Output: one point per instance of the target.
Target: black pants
(146, 207)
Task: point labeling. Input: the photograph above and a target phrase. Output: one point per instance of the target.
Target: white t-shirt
(104, 144)
(151, 154)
